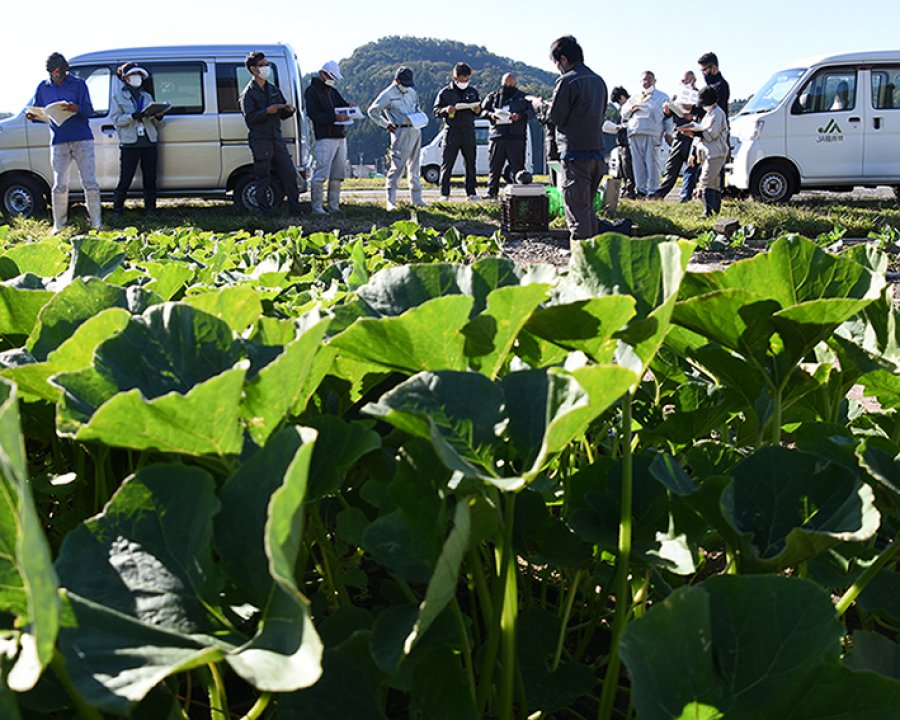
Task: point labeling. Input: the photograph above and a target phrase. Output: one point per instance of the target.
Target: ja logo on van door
(830, 133)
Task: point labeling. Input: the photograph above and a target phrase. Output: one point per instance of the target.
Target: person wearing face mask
(508, 111)
(330, 151)
(70, 141)
(394, 110)
(646, 127)
(619, 97)
(577, 109)
(711, 142)
(138, 135)
(709, 66)
(458, 104)
(264, 107)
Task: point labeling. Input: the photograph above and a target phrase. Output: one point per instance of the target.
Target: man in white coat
(646, 125)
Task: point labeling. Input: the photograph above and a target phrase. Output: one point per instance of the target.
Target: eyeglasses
(705, 68)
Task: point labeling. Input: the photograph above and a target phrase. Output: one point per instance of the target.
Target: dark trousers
(628, 187)
(581, 179)
(678, 156)
(500, 151)
(458, 140)
(270, 155)
(129, 157)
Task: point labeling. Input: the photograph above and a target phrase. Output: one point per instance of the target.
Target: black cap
(404, 76)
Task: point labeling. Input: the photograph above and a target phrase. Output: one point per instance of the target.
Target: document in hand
(467, 106)
(354, 112)
(157, 108)
(53, 112)
(418, 119)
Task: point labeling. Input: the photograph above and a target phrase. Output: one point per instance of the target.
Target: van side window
(231, 79)
(97, 80)
(180, 84)
(886, 88)
(831, 90)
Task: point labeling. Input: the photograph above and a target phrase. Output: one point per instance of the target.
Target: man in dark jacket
(577, 110)
(458, 104)
(709, 66)
(264, 107)
(618, 97)
(680, 150)
(508, 111)
(323, 101)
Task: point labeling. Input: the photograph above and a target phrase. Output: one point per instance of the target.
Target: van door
(106, 143)
(231, 79)
(825, 126)
(882, 153)
(189, 139)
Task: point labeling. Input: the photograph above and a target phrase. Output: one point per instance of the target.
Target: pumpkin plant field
(394, 475)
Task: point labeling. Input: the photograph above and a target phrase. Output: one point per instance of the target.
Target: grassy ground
(810, 217)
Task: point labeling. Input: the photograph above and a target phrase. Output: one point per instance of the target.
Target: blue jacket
(71, 89)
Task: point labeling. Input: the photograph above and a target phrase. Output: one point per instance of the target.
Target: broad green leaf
(339, 446)
(875, 653)
(203, 421)
(584, 325)
(841, 694)
(238, 306)
(169, 278)
(20, 307)
(427, 337)
(883, 385)
(280, 389)
(75, 353)
(490, 336)
(440, 690)
(94, 257)
(881, 459)
(442, 586)
(68, 309)
(27, 581)
(788, 507)
(45, 258)
(749, 647)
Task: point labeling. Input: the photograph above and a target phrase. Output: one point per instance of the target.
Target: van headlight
(757, 129)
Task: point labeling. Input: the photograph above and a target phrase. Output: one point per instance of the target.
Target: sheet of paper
(467, 106)
(52, 113)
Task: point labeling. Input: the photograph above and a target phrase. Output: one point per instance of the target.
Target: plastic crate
(529, 213)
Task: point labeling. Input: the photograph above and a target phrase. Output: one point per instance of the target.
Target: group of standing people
(694, 125)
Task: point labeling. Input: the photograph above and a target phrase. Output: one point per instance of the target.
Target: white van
(827, 123)
(430, 155)
(203, 143)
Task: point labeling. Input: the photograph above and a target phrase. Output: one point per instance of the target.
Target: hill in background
(371, 68)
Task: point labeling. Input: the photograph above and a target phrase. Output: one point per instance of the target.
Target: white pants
(406, 143)
(61, 157)
(645, 162)
(330, 159)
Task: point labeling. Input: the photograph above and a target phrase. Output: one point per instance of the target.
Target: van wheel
(22, 196)
(773, 183)
(431, 174)
(248, 198)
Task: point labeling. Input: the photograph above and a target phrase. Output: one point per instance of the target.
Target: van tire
(245, 195)
(22, 196)
(431, 174)
(773, 182)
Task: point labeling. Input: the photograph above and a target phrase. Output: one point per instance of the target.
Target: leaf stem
(620, 583)
(259, 707)
(567, 613)
(867, 576)
(509, 614)
(466, 647)
(218, 700)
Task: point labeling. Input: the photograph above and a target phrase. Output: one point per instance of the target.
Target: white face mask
(461, 85)
(134, 80)
(402, 88)
(264, 71)
(329, 82)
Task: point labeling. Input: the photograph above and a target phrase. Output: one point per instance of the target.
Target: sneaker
(319, 211)
(473, 198)
(445, 198)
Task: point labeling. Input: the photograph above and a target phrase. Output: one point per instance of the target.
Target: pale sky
(620, 39)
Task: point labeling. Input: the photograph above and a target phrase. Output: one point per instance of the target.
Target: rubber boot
(92, 197)
(390, 199)
(316, 194)
(60, 211)
(713, 200)
(334, 195)
(415, 196)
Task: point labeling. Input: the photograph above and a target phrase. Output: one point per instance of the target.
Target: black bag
(621, 226)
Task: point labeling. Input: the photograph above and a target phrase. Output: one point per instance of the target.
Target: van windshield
(773, 92)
